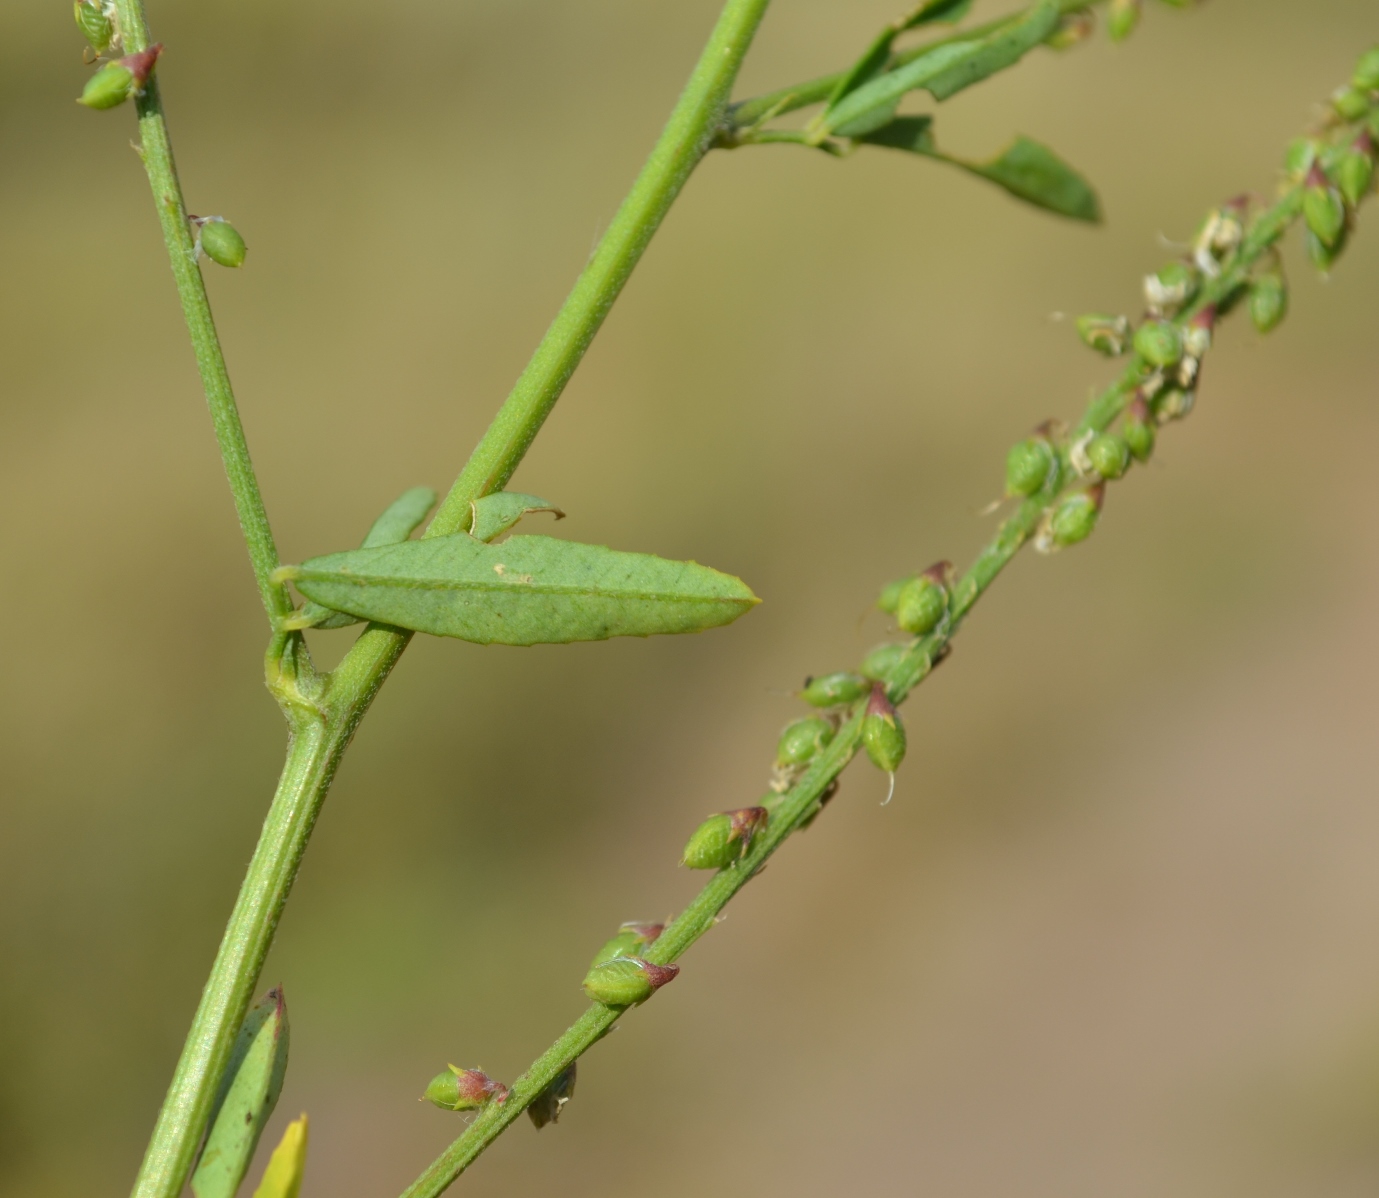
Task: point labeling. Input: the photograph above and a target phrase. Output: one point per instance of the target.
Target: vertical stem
(156, 151)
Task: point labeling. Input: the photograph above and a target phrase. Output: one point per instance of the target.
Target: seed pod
(109, 87)
(95, 25)
(632, 940)
(801, 740)
(1159, 343)
(881, 661)
(723, 838)
(1121, 19)
(1355, 170)
(1139, 431)
(1029, 466)
(1109, 455)
(1197, 335)
(1109, 335)
(1075, 518)
(1350, 103)
(1323, 256)
(890, 594)
(464, 1090)
(220, 240)
(626, 980)
(924, 603)
(1323, 209)
(1268, 299)
(1298, 160)
(883, 735)
(546, 1107)
(1366, 77)
(1172, 287)
(833, 690)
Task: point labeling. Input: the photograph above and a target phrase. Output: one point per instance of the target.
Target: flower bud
(723, 838)
(924, 603)
(1355, 170)
(889, 598)
(883, 735)
(1174, 404)
(1074, 519)
(1073, 29)
(801, 740)
(1121, 19)
(1139, 430)
(626, 980)
(464, 1090)
(1197, 335)
(1323, 209)
(881, 661)
(220, 240)
(1366, 77)
(833, 690)
(1172, 287)
(1159, 343)
(95, 25)
(1109, 335)
(1109, 455)
(632, 940)
(1030, 466)
(108, 87)
(1268, 299)
(546, 1107)
(1350, 103)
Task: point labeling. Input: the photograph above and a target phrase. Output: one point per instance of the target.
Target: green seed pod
(1159, 343)
(1350, 103)
(883, 735)
(1109, 335)
(1139, 430)
(723, 838)
(1366, 77)
(890, 594)
(1030, 466)
(924, 603)
(881, 661)
(1355, 170)
(1121, 19)
(1109, 455)
(546, 1107)
(95, 26)
(632, 940)
(1323, 209)
(1268, 299)
(221, 241)
(1298, 160)
(626, 980)
(1075, 518)
(1172, 287)
(109, 87)
(833, 690)
(1323, 256)
(464, 1090)
(801, 740)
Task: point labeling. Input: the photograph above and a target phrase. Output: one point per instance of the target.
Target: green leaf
(950, 12)
(526, 591)
(947, 69)
(282, 1176)
(1025, 169)
(878, 54)
(494, 514)
(402, 518)
(248, 1095)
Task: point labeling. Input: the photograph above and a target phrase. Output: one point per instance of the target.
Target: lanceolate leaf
(253, 1082)
(878, 54)
(1026, 169)
(948, 11)
(495, 514)
(526, 591)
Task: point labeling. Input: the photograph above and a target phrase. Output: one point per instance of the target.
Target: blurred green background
(1119, 931)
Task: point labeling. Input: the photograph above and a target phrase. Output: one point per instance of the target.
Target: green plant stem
(324, 716)
(806, 795)
(156, 151)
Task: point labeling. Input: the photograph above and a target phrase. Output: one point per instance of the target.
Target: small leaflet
(494, 514)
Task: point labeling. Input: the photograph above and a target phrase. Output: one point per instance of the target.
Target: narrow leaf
(398, 522)
(950, 12)
(282, 1177)
(494, 514)
(526, 591)
(252, 1084)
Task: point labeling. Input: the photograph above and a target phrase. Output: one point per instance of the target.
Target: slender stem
(324, 720)
(156, 150)
(812, 789)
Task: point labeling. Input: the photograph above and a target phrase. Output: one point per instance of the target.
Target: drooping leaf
(282, 1176)
(494, 514)
(401, 518)
(248, 1095)
(948, 68)
(526, 591)
(1025, 169)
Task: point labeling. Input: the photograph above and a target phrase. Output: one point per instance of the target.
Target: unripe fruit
(1350, 104)
(1109, 335)
(626, 980)
(882, 661)
(1355, 171)
(464, 1090)
(1323, 209)
(95, 26)
(221, 242)
(1139, 430)
(1300, 155)
(833, 690)
(1109, 455)
(1172, 287)
(1122, 18)
(1075, 518)
(1268, 300)
(1030, 466)
(889, 598)
(801, 740)
(1174, 404)
(883, 735)
(109, 87)
(723, 838)
(632, 940)
(1366, 77)
(924, 603)
(1159, 343)
(1323, 256)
